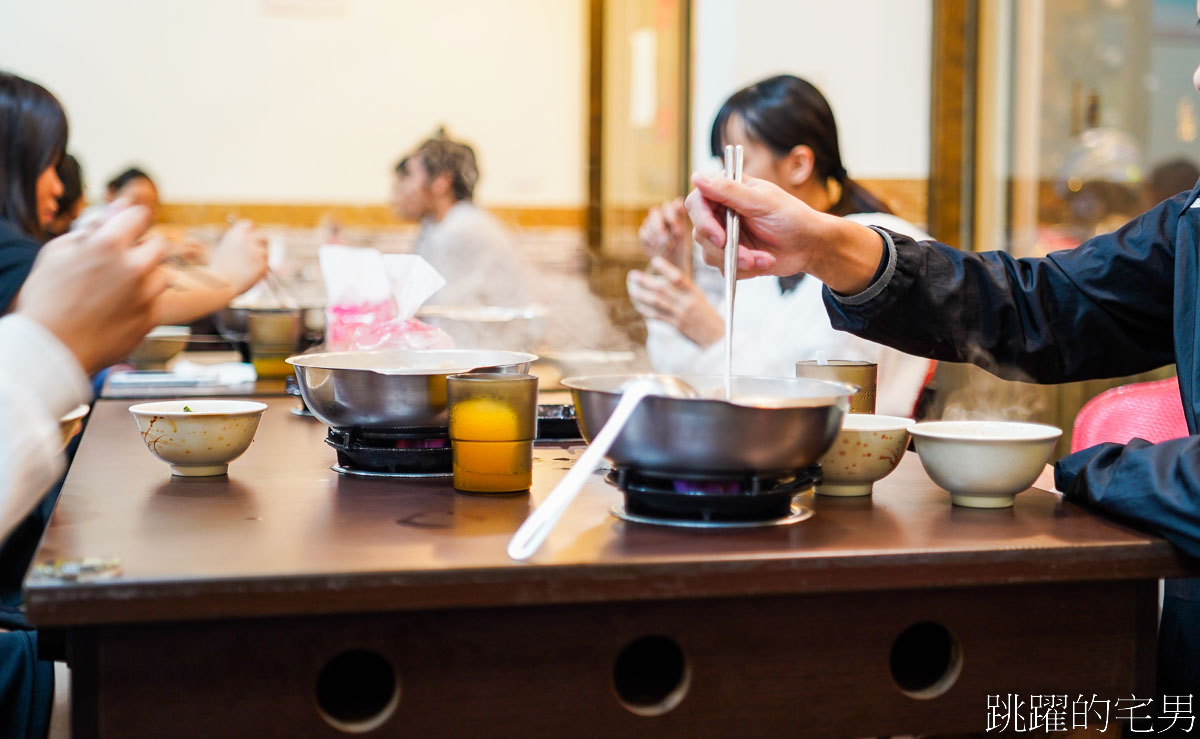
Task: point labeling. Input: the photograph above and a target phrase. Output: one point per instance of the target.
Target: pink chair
(1143, 410)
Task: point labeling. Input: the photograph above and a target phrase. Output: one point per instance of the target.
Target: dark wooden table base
(808, 665)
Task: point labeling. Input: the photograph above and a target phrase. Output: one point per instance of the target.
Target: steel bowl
(391, 389)
(774, 424)
(234, 324)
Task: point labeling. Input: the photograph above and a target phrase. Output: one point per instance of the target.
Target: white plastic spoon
(539, 524)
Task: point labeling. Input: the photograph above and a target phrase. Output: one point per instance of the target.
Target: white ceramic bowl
(867, 449)
(70, 424)
(984, 463)
(198, 437)
(159, 346)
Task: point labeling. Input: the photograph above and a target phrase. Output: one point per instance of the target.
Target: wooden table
(283, 599)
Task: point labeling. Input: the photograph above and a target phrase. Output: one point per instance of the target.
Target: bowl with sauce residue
(983, 464)
(866, 450)
(198, 438)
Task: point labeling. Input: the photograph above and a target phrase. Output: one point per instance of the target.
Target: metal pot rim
(836, 389)
(484, 358)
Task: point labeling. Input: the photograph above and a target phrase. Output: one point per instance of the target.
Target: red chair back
(1143, 410)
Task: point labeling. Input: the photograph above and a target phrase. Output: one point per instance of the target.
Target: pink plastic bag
(363, 312)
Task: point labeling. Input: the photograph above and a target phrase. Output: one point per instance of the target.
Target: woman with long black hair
(789, 137)
(33, 139)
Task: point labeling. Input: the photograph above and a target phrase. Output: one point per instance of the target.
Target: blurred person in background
(135, 186)
(71, 202)
(1168, 179)
(470, 248)
(789, 137)
(1099, 185)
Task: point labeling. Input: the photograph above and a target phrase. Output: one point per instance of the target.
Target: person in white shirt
(789, 137)
(470, 248)
(89, 299)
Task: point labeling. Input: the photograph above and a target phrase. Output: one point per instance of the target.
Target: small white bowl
(70, 424)
(867, 449)
(198, 437)
(984, 463)
(160, 346)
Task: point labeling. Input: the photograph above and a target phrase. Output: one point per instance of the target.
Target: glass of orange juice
(493, 421)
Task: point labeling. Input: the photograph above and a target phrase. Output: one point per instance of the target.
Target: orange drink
(493, 420)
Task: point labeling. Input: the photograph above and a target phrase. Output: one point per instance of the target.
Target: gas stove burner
(291, 387)
(736, 498)
(796, 514)
(405, 452)
(388, 475)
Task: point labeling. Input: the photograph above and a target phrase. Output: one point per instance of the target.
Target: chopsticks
(733, 170)
(200, 273)
(273, 282)
(279, 291)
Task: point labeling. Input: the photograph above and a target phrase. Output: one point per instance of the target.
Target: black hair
(129, 175)
(442, 155)
(33, 138)
(71, 176)
(784, 112)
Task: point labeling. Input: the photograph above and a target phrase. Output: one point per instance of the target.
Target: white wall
(311, 100)
(870, 58)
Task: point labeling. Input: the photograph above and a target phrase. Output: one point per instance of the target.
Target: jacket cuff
(883, 275)
(856, 312)
(1067, 470)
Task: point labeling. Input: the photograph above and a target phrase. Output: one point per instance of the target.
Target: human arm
(87, 302)
(1156, 485)
(239, 261)
(40, 381)
(1103, 309)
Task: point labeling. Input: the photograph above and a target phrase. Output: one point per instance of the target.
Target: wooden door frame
(953, 104)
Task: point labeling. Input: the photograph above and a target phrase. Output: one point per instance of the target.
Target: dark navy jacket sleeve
(1103, 309)
(1157, 484)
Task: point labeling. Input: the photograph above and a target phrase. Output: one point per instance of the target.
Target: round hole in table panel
(357, 691)
(651, 676)
(926, 660)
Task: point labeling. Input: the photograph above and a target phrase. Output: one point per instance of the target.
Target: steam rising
(977, 393)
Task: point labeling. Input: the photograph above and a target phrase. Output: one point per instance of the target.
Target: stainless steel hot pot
(391, 389)
(775, 424)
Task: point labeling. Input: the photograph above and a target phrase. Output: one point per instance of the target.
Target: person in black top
(33, 139)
